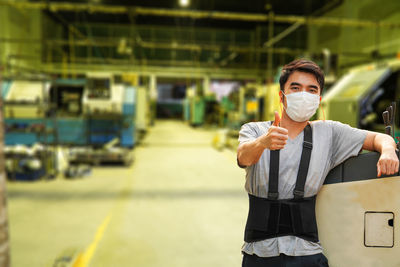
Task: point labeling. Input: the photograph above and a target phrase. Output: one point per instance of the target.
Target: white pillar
(153, 87)
(206, 85)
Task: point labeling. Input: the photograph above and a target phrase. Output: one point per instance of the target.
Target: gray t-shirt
(333, 142)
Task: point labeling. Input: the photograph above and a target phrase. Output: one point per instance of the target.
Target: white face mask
(301, 106)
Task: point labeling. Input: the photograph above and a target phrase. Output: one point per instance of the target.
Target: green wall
(21, 34)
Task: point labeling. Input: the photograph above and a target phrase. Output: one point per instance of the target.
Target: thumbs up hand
(277, 120)
(276, 136)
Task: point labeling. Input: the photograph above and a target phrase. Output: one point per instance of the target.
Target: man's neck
(294, 128)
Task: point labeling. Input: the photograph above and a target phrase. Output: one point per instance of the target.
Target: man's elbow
(381, 142)
(243, 161)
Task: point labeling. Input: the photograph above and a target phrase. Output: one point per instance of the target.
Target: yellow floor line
(84, 258)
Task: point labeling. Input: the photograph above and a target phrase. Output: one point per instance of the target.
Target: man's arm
(249, 153)
(388, 162)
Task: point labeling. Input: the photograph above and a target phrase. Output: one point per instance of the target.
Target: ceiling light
(184, 3)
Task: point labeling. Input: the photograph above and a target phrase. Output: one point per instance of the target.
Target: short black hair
(302, 65)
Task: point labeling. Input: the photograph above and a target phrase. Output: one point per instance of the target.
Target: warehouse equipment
(186, 108)
(66, 96)
(102, 95)
(204, 109)
(252, 102)
(258, 102)
(30, 163)
(367, 207)
(196, 105)
(25, 109)
(109, 110)
(228, 109)
(108, 153)
(357, 214)
(361, 95)
(24, 99)
(169, 100)
(65, 114)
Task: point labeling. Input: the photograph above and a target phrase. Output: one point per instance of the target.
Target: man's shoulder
(325, 124)
(334, 127)
(259, 127)
(258, 124)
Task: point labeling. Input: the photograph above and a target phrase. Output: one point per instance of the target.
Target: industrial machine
(71, 112)
(251, 102)
(211, 108)
(25, 163)
(258, 102)
(169, 100)
(111, 115)
(102, 95)
(24, 111)
(196, 105)
(186, 108)
(357, 212)
(24, 99)
(65, 114)
(361, 95)
(111, 152)
(357, 215)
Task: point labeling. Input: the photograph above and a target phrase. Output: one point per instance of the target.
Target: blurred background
(121, 118)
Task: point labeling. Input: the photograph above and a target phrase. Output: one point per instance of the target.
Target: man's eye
(295, 88)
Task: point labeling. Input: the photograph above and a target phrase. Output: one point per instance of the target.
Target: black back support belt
(273, 218)
(270, 217)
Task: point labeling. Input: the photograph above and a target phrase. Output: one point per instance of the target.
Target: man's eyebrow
(299, 84)
(294, 83)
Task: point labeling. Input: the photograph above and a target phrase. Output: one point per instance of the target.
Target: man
(269, 150)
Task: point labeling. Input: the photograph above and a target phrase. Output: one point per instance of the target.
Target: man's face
(301, 81)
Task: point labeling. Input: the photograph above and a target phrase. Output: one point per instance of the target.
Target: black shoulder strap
(273, 193)
(304, 163)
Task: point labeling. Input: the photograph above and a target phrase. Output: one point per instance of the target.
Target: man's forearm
(250, 152)
(388, 162)
(384, 143)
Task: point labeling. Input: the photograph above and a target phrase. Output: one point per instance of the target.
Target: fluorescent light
(184, 3)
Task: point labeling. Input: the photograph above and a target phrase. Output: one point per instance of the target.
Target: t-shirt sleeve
(247, 133)
(346, 142)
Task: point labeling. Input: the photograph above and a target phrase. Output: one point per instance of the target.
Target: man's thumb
(277, 119)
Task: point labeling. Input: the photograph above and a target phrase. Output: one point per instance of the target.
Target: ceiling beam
(196, 14)
(165, 71)
(114, 42)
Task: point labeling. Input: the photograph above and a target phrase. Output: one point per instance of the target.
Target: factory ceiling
(290, 7)
(210, 35)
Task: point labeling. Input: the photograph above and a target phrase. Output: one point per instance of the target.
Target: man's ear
(280, 96)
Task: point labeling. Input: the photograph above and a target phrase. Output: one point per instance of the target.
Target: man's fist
(276, 136)
(388, 163)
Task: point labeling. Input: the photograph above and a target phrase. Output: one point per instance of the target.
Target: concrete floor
(182, 203)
